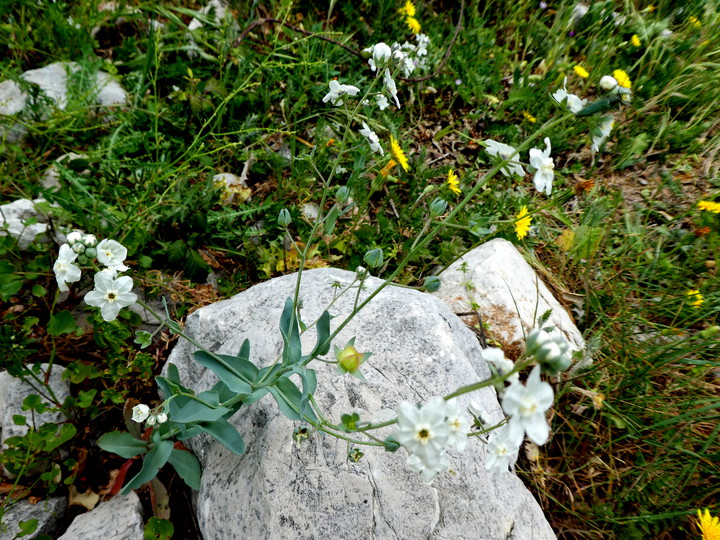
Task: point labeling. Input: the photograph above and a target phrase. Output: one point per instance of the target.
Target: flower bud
(342, 194)
(162, 418)
(607, 82)
(381, 54)
(74, 237)
(82, 259)
(89, 240)
(438, 207)
(284, 218)
(90, 252)
(152, 420)
(78, 247)
(552, 352)
(360, 272)
(374, 258)
(349, 359)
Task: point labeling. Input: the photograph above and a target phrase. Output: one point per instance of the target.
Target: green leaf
(221, 366)
(61, 323)
(19, 420)
(123, 444)
(187, 466)
(158, 529)
(27, 527)
(331, 219)
(33, 402)
(64, 434)
(154, 460)
(38, 290)
(143, 338)
(289, 399)
(598, 106)
(323, 333)
(225, 434)
(194, 411)
(85, 398)
(292, 348)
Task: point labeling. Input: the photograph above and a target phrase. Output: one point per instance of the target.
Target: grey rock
(51, 178)
(12, 393)
(509, 293)
(12, 221)
(281, 489)
(120, 518)
(47, 512)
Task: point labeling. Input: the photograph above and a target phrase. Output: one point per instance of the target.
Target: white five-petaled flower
(423, 431)
(526, 406)
(574, 103)
(65, 271)
(428, 471)
(140, 413)
(391, 87)
(372, 139)
(605, 127)
(112, 254)
(382, 102)
(111, 295)
(496, 358)
(458, 424)
(505, 151)
(501, 450)
(544, 168)
(337, 91)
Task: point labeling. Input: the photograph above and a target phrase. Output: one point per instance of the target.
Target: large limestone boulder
(508, 293)
(282, 489)
(15, 220)
(120, 518)
(48, 513)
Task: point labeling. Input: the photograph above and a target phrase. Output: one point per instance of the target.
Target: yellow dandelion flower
(387, 168)
(635, 41)
(695, 299)
(709, 206)
(408, 9)
(622, 78)
(398, 153)
(581, 71)
(529, 117)
(453, 183)
(694, 21)
(709, 525)
(413, 25)
(522, 223)
(650, 8)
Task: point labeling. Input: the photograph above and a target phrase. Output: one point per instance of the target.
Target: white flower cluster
(550, 350)
(141, 413)
(111, 293)
(428, 431)
(540, 160)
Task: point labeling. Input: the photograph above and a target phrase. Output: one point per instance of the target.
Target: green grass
(636, 465)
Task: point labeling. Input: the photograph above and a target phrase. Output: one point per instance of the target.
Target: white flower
(544, 166)
(605, 127)
(423, 431)
(75, 236)
(607, 82)
(501, 450)
(459, 426)
(162, 418)
(65, 270)
(372, 139)
(526, 406)
(574, 103)
(89, 240)
(337, 91)
(380, 55)
(390, 86)
(504, 151)
(481, 414)
(152, 420)
(503, 366)
(140, 413)
(111, 253)
(422, 42)
(111, 295)
(382, 102)
(428, 471)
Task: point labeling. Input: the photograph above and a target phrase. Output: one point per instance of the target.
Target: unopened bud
(438, 207)
(374, 258)
(607, 82)
(284, 218)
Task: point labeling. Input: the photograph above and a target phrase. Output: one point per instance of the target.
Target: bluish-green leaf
(288, 397)
(194, 411)
(122, 443)
(225, 434)
(323, 333)
(154, 460)
(231, 377)
(187, 466)
(292, 348)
